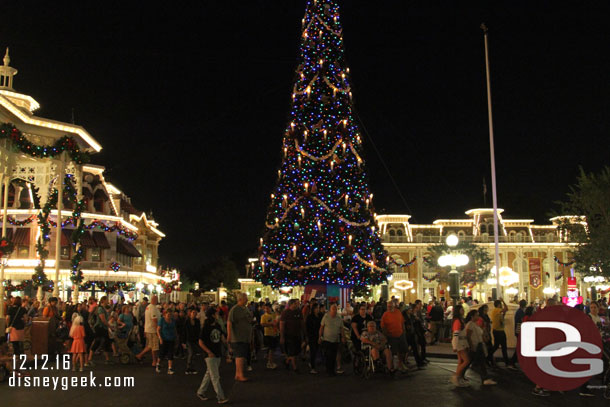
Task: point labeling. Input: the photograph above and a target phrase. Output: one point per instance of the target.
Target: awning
(22, 237)
(86, 241)
(100, 240)
(9, 233)
(125, 247)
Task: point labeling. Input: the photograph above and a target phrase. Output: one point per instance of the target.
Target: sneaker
(454, 381)
(170, 371)
(586, 393)
(340, 371)
(271, 366)
(74, 368)
(463, 383)
(223, 401)
(202, 397)
(87, 364)
(249, 369)
(540, 392)
(313, 371)
(80, 369)
(489, 382)
(158, 369)
(512, 367)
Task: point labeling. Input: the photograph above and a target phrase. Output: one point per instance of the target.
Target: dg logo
(560, 348)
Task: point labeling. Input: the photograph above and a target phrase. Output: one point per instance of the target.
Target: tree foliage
(476, 271)
(589, 201)
(210, 275)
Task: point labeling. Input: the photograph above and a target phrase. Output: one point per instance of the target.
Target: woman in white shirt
(478, 350)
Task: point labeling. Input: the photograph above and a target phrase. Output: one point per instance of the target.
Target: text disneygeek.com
(66, 383)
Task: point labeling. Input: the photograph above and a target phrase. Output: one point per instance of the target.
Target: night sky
(189, 100)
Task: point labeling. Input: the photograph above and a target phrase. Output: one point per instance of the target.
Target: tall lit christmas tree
(320, 224)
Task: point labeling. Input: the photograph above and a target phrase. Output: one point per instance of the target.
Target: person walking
(392, 325)
(291, 333)
(497, 326)
(239, 332)
(270, 323)
(166, 331)
(519, 314)
(152, 315)
(312, 327)
(15, 320)
(192, 331)
(210, 341)
(478, 351)
(78, 349)
(331, 334)
(100, 321)
(460, 346)
(436, 322)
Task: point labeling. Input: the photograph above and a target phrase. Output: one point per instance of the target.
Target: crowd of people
(303, 333)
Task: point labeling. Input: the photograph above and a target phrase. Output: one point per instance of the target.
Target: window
(392, 232)
(520, 236)
(96, 254)
(399, 232)
(484, 237)
(139, 248)
(419, 238)
(512, 236)
(65, 253)
(23, 252)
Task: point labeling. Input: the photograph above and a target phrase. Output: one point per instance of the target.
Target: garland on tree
(22, 144)
(39, 278)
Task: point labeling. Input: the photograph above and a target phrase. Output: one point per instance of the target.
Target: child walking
(210, 342)
(78, 349)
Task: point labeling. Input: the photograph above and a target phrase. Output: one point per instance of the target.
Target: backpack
(92, 319)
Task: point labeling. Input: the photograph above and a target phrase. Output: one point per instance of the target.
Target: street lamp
(453, 259)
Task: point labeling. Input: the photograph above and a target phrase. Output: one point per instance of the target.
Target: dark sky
(189, 100)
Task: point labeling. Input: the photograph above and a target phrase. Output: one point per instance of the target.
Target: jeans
(478, 360)
(500, 340)
(330, 353)
(191, 347)
(436, 329)
(212, 375)
(412, 341)
(17, 348)
(313, 352)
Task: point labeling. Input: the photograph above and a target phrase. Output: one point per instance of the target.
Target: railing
(474, 239)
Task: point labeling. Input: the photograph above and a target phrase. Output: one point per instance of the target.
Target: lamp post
(454, 260)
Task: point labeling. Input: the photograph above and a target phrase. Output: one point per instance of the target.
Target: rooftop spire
(7, 73)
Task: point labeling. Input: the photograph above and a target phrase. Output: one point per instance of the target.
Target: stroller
(122, 340)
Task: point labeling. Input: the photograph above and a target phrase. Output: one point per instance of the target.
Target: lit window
(96, 254)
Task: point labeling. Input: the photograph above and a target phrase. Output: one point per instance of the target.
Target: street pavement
(428, 387)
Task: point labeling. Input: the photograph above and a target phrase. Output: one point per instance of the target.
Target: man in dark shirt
(359, 325)
(436, 321)
(291, 329)
(519, 314)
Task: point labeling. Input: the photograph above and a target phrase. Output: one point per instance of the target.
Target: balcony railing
(474, 239)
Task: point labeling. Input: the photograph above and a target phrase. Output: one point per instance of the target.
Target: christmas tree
(320, 225)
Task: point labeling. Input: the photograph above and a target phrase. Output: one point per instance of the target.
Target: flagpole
(493, 167)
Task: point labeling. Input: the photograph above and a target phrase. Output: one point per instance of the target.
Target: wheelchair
(369, 366)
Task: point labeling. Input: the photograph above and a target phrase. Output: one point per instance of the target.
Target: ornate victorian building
(119, 245)
(522, 245)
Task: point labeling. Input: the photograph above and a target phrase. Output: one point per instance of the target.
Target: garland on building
(8, 285)
(6, 247)
(121, 230)
(568, 264)
(14, 222)
(409, 264)
(169, 286)
(64, 144)
(430, 279)
(109, 287)
(114, 266)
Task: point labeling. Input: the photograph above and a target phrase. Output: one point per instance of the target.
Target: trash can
(40, 336)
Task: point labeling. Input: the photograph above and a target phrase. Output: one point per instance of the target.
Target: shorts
(270, 342)
(292, 345)
(152, 342)
(167, 350)
(240, 349)
(398, 344)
